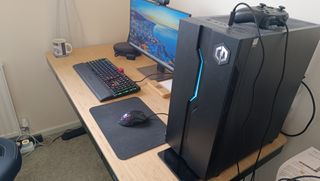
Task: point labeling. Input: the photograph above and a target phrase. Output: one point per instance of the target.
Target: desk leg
(107, 165)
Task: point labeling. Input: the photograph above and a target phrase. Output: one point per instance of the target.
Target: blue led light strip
(196, 89)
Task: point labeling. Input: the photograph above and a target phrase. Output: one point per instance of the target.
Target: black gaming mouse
(133, 118)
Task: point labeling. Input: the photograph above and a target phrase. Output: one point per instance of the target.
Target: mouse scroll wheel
(126, 115)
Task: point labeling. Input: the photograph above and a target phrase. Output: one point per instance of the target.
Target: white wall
(104, 21)
(306, 9)
(301, 110)
(26, 31)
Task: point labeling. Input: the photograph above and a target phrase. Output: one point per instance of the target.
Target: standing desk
(146, 166)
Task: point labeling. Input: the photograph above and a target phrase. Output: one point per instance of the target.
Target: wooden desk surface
(146, 166)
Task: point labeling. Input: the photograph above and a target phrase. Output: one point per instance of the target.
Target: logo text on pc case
(221, 54)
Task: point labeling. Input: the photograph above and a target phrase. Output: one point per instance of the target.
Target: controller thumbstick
(262, 5)
(282, 8)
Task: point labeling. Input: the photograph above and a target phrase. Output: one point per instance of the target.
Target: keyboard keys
(112, 78)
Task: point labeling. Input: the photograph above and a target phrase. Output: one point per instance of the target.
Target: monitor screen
(154, 30)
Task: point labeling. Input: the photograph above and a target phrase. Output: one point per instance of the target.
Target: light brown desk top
(146, 166)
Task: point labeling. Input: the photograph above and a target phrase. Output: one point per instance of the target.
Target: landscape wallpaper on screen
(154, 29)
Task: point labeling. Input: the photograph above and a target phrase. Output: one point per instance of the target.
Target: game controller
(266, 16)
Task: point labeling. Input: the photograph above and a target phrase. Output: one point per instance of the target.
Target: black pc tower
(212, 88)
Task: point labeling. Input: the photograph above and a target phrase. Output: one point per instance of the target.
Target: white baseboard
(59, 129)
(10, 135)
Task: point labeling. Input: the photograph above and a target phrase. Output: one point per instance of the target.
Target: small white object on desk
(167, 84)
(159, 88)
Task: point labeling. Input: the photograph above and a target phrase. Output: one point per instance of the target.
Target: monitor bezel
(159, 61)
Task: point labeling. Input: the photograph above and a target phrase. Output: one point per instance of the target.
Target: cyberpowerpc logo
(221, 54)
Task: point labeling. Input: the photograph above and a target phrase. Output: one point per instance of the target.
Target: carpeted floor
(73, 160)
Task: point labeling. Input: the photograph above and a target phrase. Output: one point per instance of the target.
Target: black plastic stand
(177, 165)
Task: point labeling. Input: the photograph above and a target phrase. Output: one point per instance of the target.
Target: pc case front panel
(184, 80)
(207, 110)
(204, 107)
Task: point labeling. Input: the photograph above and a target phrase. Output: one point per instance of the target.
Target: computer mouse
(133, 118)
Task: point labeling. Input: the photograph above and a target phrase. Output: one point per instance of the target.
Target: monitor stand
(160, 72)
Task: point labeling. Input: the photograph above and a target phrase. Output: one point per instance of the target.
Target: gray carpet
(73, 160)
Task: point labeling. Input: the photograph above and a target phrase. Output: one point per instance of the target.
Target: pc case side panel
(300, 50)
(184, 80)
(206, 110)
(242, 133)
(302, 45)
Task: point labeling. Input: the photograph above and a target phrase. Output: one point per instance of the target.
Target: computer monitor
(154, 32)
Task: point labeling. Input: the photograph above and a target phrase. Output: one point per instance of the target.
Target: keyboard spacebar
(93, 82)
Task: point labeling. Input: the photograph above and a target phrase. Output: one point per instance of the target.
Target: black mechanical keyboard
(105, 80)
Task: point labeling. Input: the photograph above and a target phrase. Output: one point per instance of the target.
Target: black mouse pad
(127, 142)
